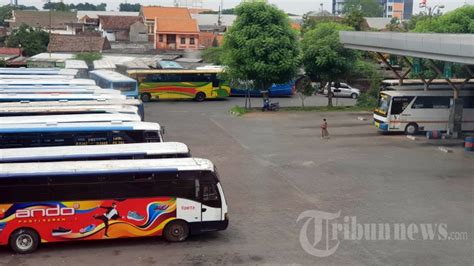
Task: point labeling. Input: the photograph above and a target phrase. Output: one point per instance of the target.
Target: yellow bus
(180, 84)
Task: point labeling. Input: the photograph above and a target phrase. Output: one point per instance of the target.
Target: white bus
(96, 152)
(35, 77)
(417, 84)
(58, 90)
(45, 82)
(411, 111)
(68, 134)
(173, 198)
(108, 79)
(74, 118)
(38, 71)
(19, 97)
(33, 110)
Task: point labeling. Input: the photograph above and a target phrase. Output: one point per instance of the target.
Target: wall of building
(138, 32)
(162, 41)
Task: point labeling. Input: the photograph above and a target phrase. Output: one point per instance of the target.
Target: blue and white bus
(38, 71)
(46, 82)
(58, 90)
(74, 118)
(18, 97)
(66, 110)
(68, 134)
(108, 79)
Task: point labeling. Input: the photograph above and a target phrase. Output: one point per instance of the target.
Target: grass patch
(238, 111)
(327, 109)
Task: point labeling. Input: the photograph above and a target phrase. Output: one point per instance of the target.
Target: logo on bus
(49, 212)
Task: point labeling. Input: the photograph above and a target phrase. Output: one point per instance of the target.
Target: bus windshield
(383, 105)
(125, 86)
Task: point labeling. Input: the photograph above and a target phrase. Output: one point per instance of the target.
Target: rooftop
(77, 43)
(118, 22)
(33, 18)
(152, 12)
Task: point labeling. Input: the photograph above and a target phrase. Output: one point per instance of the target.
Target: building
(401, 9)
(77, 43)
(61, 22)
(118, 28)
(171, 28)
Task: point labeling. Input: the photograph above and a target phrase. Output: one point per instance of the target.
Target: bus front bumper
(381, 126)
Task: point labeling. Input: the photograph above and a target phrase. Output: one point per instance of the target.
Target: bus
(93, 200)
(108, 79)
(180, 84)
(412, 111)
(276, 90)
(79, 104)
(46, 82)
(39, 71)
(66, 110)
(417, 84)
(35, 77)
(75, 118)
(19, 97)
(58, 90)
(133, 151)
(68, 134)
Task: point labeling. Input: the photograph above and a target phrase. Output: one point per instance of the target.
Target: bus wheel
(200, 96)
(145, 97)
(411, 129)
(24, 241)
(176, 231)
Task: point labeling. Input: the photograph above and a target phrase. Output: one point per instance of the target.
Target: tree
(130, 7)
(32, 41)
(261, 46)
(60, 6)
(89, 6)
(460, 20)
(369, 8)
(355, 19)
(324, 57)
(304, 88)
(213, 55)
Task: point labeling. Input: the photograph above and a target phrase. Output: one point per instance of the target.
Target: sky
(299, 7)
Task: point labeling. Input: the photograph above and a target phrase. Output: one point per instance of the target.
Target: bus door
(398, 118)
(211, 203)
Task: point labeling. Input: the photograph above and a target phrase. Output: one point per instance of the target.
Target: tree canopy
(33, 41)
(460, 20)
(129, 7)
(60, 6)
(369, 8)
(261, 45)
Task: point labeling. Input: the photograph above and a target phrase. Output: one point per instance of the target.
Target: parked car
(342, 90)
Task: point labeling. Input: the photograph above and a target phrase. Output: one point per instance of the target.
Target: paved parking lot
(274, 166)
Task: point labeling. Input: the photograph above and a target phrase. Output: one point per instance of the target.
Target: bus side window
(23, 189)
(468, 102)
(399, 104)
(75, 187)
(215, 81)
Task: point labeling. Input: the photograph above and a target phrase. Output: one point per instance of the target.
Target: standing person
(110, 214)
(324, 129)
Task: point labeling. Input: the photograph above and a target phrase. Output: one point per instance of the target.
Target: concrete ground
(274, 166)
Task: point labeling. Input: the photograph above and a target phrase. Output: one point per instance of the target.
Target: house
(61, 22)
(171, 28)
(118, 28)
(77, 43)
(206, 39)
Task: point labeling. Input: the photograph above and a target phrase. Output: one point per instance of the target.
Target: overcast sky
(293, 6)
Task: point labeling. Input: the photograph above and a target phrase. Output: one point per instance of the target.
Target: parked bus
(46, 82)
(39, 71)
(14, 97)
(133, 151)
(66, 201)
(68, 134)
(35, 77)
(75, 118)
(180, 84)
(276, 90)
(58, 90)
(66, 110)
(108, 79)
(417, 84)
(78, 104)
(411, 111)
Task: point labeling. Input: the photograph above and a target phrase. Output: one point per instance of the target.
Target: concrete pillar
(455, 118)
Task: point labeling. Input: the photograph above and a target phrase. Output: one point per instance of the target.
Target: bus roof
(104, 167)
(51, 82)
(83, 127)
(175, 71)
(450, 92)
(59, 90)
(16, 76)
(65, 102)
(10, 97)
(91, 151)
(112, 76)
(38, 71)
(74, 118)
(395, 82)
(18, 87)
(53, 109)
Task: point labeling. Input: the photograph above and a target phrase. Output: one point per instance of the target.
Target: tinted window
(438, 102)
(399, 104)
(75, 187)
(468, 102)
(23, 189)
(210, 195)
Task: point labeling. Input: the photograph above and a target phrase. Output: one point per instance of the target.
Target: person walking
(324, 129)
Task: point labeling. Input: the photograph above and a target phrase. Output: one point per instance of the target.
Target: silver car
(342, 90)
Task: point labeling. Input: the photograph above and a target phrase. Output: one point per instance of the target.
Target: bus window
(434, 102)
(75, 187)
(399, 104)
(23, 189)
(383, 105)
(125, 86)
(210, 195)
(468, 102)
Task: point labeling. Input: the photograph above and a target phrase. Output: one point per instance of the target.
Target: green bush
(88, 57)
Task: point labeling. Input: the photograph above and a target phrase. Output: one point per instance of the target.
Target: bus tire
(145, 97)
(354, 96)
(411, 129)
(24, 241)
(176, 231)
(200, 96)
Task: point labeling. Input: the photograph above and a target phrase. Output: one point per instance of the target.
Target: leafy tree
(130, 7)
(3, 63)
(60, 6)
(355, 19)
(32, 41)
(89, 6)
(460, 20)
(304, 88)
(324, 57)
(213, 55)
(261, 46)
(369, 8)
(89, 57)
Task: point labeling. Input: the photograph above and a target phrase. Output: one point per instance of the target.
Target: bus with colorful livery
(180, 84)
(94, 200)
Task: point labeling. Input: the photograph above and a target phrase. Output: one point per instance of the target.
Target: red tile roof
(10, 51)
(177, 25)
(118, 22)
(152, 12)
(77, 43)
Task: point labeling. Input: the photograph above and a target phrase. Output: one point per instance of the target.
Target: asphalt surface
(274, 166)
